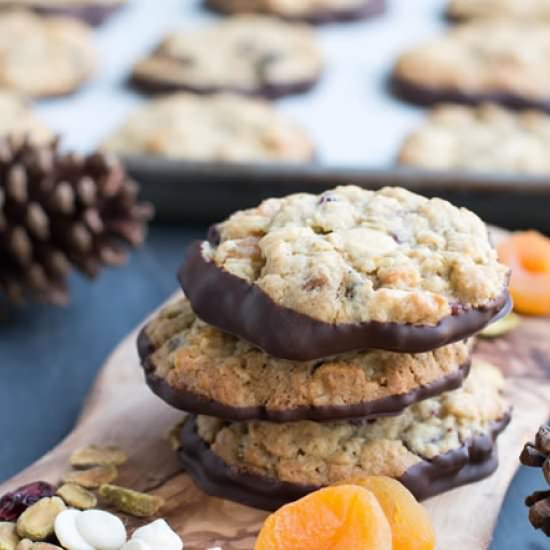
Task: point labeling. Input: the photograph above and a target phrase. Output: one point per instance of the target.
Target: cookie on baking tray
(431, 447)
(93, 12)
(487, 138)
(514, 9)
(199, 369)
(503, 61)
(221, 127)
(43, 57)
(18, 121)
(309, 276)
(310, 11)
(253, 55)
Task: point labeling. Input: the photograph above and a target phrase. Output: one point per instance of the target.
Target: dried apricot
(527, 253)
(410, 523)
(334, 518)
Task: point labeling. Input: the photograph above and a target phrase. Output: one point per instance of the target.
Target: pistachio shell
(8, 536)
(37, 521)
(27, 544)
(131, 502)
(92, 478)
(77, 496)
(502, 326)
(98, 456)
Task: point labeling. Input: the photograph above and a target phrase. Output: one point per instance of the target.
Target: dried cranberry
(457, 309)
(13, 504)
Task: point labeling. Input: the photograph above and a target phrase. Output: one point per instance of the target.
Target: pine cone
(60, 211)
(537, 455)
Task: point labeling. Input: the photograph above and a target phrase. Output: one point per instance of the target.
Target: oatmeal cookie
(431, 447)
(535, 10)
(504, 61)
(217, 128)
(199, 369)
(18, 121)
(487, 138)
(309, 11)
(310, 276)
(42, 57)
(253, 55)
(93, 12)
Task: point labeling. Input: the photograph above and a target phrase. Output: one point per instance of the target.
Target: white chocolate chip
(136, 544)
(67, 532)
(159, 536)
(102, 530)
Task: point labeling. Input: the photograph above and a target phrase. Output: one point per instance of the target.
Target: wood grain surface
(121, 410)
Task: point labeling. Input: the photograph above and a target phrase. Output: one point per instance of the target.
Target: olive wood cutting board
(121, 410)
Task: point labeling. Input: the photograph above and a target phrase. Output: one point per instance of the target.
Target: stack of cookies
(324, 338)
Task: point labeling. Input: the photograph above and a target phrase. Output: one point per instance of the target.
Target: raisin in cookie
(199, 369)
(431, 447)
(310, 11)
(310, 276)
(42, 57)
(221, 127)
(534, 10)
(489, 60)
(93, 12)
(246, 54)
(19, 122)
(488, 138)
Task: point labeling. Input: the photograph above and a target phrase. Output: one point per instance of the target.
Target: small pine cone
(537, 455)
(60, 211)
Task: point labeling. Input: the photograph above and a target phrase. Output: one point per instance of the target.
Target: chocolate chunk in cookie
(217, 128)
(309, 11)
(44, 56)
(252, 55)
(503, 61)
(306, 276)
(199, 369)
(533, 10)
(93, 12)
(432, 447)
(488, 138)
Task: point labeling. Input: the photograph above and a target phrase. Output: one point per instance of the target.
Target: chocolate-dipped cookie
(44, 56)
(199, 369)
(309, 11)
(216, 128)
(306, 276)
(253, 55)
(432, 447)
(533, 10)
(18, 121)
(93, 12)
(503, 61)
(487, 138)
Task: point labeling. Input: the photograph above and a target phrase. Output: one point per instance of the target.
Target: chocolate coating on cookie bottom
(425, 95)
(193, 403)
(475, 460)
(93, 14)
(233, 305)
(155, 85)
(368, 9)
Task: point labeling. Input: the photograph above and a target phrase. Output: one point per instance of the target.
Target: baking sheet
(357, 124)
(351, 115)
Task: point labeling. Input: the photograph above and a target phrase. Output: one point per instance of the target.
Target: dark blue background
(49, 358)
